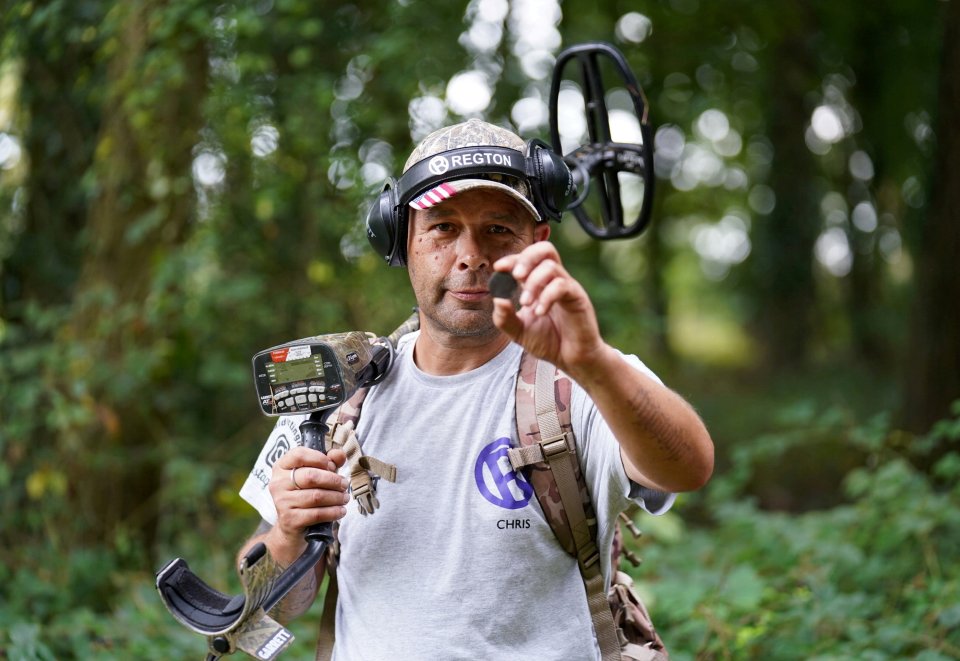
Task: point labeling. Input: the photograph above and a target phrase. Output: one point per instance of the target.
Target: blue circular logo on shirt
(496, 479)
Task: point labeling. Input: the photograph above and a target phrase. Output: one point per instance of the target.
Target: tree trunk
(121, 316)
(863, 299)
(656, 285)
(783, 256)
(62, 119)
(932, 379)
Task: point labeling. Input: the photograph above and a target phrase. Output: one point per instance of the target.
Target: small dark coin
(502, 285)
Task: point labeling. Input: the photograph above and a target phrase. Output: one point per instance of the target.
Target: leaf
(26, 644)
(744, 588)
(949, 618)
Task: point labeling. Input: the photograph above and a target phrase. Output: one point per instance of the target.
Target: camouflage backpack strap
(364, 471)
(548, 449)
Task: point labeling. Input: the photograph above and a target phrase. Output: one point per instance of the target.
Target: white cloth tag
(285, 435)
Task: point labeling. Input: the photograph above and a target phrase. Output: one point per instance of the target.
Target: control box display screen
(298, 378)
(295, 370)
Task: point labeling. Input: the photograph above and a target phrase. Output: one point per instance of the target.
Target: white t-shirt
(459, 562)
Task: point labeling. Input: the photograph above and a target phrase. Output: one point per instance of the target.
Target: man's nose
(471, 253)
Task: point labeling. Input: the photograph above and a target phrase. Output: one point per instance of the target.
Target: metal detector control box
(311, 374)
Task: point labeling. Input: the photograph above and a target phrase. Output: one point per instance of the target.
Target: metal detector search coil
(310, 374)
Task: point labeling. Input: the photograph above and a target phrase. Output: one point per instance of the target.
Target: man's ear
(541, 231)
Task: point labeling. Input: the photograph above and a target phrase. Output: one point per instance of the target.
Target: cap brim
(448, 189)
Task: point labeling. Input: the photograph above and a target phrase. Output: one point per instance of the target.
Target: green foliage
(873, 578)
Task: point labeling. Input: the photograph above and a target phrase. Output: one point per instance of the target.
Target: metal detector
(309, 376)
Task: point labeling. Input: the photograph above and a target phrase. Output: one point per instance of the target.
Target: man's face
(451, 249)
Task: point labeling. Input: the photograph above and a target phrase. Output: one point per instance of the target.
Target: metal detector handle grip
(597, 163)
(313, 431)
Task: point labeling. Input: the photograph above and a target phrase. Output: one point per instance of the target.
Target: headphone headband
(460, 163)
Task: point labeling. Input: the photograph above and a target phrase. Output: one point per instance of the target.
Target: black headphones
(550, 179)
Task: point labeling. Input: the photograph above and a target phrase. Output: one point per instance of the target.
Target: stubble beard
(457, 319)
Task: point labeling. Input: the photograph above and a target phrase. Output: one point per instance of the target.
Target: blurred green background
(182, 184)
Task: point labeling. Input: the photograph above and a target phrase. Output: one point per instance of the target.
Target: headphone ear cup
(382, 224)
(553, 187)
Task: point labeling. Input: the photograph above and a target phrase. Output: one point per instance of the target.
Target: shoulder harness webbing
(548, 448)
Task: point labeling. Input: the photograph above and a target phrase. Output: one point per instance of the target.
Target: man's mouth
(470, 295)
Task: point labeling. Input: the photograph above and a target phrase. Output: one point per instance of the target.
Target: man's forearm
(663, 442)
(301, 596)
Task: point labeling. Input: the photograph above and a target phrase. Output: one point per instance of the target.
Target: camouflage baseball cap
(472, 133)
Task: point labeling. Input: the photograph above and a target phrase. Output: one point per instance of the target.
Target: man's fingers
(312, 499)
(302, 456)
(306, 500)
(521, 264)
(544, 286)
(505, 318)
(322, 496)
(294, 520)
(309, 477)
(338, 457)
(554, 291)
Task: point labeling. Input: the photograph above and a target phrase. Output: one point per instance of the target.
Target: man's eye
(499, 229)
(443, 227)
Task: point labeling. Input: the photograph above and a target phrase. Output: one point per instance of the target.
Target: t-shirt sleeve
(653, 501)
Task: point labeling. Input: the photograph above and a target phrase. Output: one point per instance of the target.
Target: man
(449, 566)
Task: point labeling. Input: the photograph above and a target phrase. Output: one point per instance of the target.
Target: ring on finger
(293, 478)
